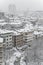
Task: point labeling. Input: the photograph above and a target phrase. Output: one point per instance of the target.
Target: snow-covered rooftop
(2, 20)
(16, 33)
(40, 28)
(15, 22)
(27, 28)
(3, 23)
(3, 31)
(37, 33)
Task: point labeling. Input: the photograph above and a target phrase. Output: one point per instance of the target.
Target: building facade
(18, 40)
(2, 46)
(7, 36)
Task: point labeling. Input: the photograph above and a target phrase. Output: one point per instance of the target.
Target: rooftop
(3, 31)
(38, 33)
(16, 33)
(2, 20)
(3, 23)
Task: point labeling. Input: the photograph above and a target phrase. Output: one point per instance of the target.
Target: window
(7, 42)
(7, 36)
(7, 45)
(10, 35)
(25, 33)
(7, 39)
(25, 39)
(3, 40)
(29, 45)
(10, 38)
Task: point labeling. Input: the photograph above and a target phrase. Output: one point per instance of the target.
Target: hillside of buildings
(21, 38)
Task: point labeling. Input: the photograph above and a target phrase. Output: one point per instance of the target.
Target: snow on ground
(22, 62)
(41, 63)
(17, 54)
(33, 63)
(15, 57)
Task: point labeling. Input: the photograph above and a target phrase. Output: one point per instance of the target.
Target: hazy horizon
(22, 4)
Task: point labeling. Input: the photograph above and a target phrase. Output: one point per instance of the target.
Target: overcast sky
(22, 4)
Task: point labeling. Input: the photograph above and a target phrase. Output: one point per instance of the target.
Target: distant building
(33, 20)
(2, 15)
(40, 22)
(12, 10)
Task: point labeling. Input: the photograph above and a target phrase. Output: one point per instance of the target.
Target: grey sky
(22, 4)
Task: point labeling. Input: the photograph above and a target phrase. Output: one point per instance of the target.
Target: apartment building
(18, 39)
(27, 36)
(2, 45)
(7, 36)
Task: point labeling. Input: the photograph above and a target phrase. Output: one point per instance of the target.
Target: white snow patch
(1, 40)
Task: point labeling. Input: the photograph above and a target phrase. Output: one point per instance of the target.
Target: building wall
(1, 53)
(18, 40)
(7, 39)
(23, 39)
(28, 37)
